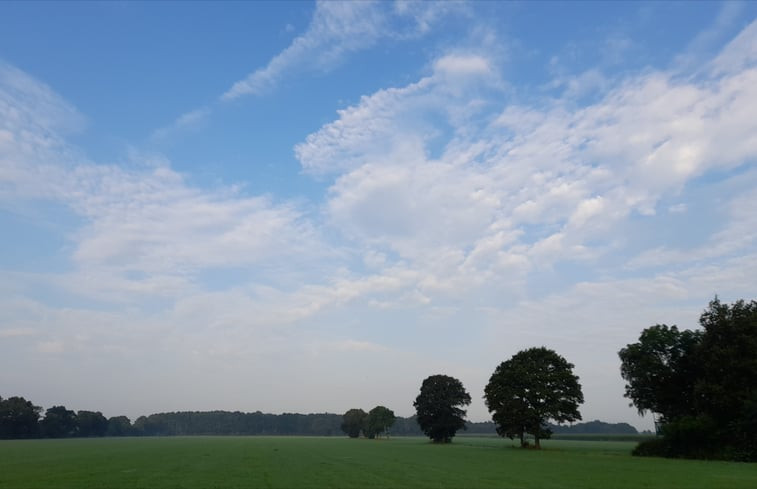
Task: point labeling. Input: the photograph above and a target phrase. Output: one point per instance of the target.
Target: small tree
(353, 421)
(378, 421)
(534, 386)
(438, 407)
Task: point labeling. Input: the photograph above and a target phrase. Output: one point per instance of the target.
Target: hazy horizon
(311, 207)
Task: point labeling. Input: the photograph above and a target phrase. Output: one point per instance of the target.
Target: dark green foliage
(59, 422)
(660, 371)
(378, 421)
(703, 384)
(119, 426)
(692, 437)
(438, 407)
(353, 421)
(237, 423)
(91, 423)
(534, 386)
(727, 387)
(655, 447)
(684, 437)
(18, 418)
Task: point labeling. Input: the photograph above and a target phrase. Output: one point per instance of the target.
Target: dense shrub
(656, 447)
(693, 437)
(696, 437)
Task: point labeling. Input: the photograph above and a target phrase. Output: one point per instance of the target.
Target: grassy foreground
(283, 462)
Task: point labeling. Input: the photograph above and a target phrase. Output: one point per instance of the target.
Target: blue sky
(313, 206)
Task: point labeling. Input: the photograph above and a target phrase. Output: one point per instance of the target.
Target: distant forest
(325, 424)
(21, 419)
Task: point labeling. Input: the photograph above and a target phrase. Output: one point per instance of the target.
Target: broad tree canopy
(534, 386)
(438, 407)
(378, 421)
(702, 383)
(660, 370)
(18, 418)
(353, 421)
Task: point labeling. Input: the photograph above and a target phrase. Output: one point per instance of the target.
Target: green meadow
(293, 462)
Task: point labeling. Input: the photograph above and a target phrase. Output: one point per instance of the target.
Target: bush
(687, 437)
(656, 447)
(693, 437)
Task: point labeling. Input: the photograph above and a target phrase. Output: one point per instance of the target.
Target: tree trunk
(536, 442)
(522, 439)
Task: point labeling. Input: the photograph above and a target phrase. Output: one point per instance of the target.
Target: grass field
(236, 462)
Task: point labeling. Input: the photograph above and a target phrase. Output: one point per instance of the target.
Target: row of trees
(20, 418)
(536, 385)
(701, 385)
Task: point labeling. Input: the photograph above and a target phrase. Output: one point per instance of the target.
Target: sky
(311, 207)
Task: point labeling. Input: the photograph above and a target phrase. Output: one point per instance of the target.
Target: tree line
(20, 419)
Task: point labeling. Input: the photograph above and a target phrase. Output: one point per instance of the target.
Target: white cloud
(24, 101)
(462, 65)
(144, 231)
(338, 29)
(572, 174)
(394, 122)
(737, 234)
(187, 120)
(706, 42)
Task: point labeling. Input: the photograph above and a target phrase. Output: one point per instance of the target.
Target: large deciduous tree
(660, 371)
(438, 407)
(18, 418)
(536, 385)
(378, 421)
(353, 422)
(701, 383)
(727, 386)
